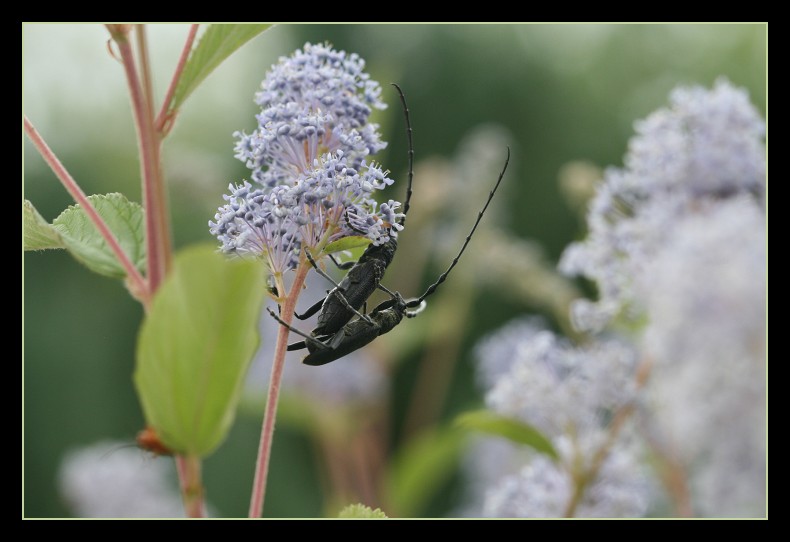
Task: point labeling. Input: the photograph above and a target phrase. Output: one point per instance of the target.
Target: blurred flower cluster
(706, 148)
(572, 395)
(312, 183)
(676, 246)
(110, 480)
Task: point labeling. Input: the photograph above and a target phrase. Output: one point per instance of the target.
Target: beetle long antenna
(432, 288)
(411, 152)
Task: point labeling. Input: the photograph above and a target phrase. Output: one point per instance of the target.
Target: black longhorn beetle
(349, 336)
(343, 302)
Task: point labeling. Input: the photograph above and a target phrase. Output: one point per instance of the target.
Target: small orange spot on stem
(147, 439)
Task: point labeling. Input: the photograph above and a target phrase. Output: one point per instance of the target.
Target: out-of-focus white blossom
(677, 249)
(706, 146)
(570, 394)
(543, 489)
(106, 480)
(705, 296)
(559, 388)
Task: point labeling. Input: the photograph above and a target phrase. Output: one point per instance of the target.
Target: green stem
(138, 283)
(270, 414)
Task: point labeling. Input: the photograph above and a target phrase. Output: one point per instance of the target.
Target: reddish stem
(148, 88)
(153, 191)
(191, 486)
(145, 69)
(163, 120)
(270, 414)
(138, 282)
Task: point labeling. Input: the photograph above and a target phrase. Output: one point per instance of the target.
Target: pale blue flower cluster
(312, 182)
(706, 146)
(677, 248)
(571, 388)
(570, 394)
(677, 245)
(706, 297)
(543, 489)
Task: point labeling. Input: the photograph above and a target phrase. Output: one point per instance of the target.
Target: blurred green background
(561, 93)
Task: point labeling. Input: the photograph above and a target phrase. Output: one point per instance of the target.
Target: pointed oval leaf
(216, 44)
(195, 346)
(514, 430)
(37, 233)
(346, 243)
(83, 240)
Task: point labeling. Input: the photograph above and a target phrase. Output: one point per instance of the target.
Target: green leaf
(195, 346)
(83, 240)
(360, 511)
(421, 467)
(218, 42)
(517, 431)
(36, 232)
(346, 243)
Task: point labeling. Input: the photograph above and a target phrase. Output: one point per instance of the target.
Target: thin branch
(270, 414)
(189, 474)
(148, 143)
(79, 196)
(162, 123)
(145, 68)
(161, 196)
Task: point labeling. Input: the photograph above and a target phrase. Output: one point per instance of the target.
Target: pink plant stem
(79, 196)
(270, 414)
(163, 119)
(153, 191)
(161, 197)
(191, 485)
(145, 69)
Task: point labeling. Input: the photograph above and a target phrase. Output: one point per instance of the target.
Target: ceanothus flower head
(677, 243)
(570, 394)
(706, 298)
(557, 387)
(329, 202)
(543, 489)
(708, 145)
(312, 183)
(323, 79)
(316, 101)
